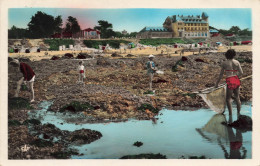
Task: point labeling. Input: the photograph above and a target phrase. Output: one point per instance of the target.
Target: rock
(68, 55)
(103, 62)
(184, 58)
(145, 156)
(138, 144)
(129, 55)
(116, 55)
(199, 60)
(243, 123)
(24, 60)
(55, 57)
(83, 56)
(18, 103)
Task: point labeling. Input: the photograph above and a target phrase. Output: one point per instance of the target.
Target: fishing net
(215, 98)
(214, 131)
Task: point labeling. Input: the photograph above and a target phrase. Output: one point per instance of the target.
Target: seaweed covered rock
(64, 154)
(18, 103)
(145, 107)
(24, 60)
(76, 106)
(116, 55)
(243, 123)
(42, 143)
(138, 144)
(55, 57)
(145, 156)
(83, 136)
(129, 55)
(103, 62)
(83, 56)
(68, 55)
(32, 121)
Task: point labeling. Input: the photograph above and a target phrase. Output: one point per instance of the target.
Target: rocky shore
(114, 89)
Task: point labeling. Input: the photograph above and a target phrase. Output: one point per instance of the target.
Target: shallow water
(174, 134)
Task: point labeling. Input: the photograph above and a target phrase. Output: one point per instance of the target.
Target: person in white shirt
(81, 71)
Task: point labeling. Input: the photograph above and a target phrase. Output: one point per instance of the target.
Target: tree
(72, 25)
(245, 32)
(17, 33)
(44, 25)
(105, 28)
(234, 29)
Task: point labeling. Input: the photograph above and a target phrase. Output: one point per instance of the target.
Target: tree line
(234, 30)
(43, 25)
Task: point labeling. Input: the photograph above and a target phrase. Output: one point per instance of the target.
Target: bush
(96, 43)
(55, 43)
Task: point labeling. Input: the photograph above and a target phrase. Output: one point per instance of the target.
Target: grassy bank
(169, 41)
(55, 43)
(96, 43)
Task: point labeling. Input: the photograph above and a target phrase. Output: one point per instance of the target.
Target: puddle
(174, 134)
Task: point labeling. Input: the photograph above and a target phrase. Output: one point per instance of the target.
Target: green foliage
(105, 28)
(55, 43)
(14, 123)
(143, 107)
(145, 156)
(76, 106)
(149, 92)
(72, 25)
(32, 121)
(42, 143)
(192, 95)
(17, 33)
(43, 25)
(18, 103)
(96, 43)
(159, 41)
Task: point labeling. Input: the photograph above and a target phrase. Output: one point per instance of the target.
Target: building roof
(89, 29)
(189, 19)
(213, 31)
(154, 29)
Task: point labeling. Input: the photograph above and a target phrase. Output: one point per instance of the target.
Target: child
(150, 70)
(28, 77)
(81, 71)
(232, 69)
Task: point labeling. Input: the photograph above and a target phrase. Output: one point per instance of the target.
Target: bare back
(232, 68)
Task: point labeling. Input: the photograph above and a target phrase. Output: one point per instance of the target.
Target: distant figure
(150, 70)
(232, 69)
(162, 52)
(28, 77)
(81, 71)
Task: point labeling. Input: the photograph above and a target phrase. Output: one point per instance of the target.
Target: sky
(134, 20)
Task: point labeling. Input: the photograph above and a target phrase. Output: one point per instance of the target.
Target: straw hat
(151, 56)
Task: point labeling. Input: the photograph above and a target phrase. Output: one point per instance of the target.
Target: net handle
(220, 86)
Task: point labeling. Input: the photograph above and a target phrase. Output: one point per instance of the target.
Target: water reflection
(216, 131)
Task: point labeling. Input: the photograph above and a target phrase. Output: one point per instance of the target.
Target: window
(202, 34)
(192, 29)
(205, 34)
